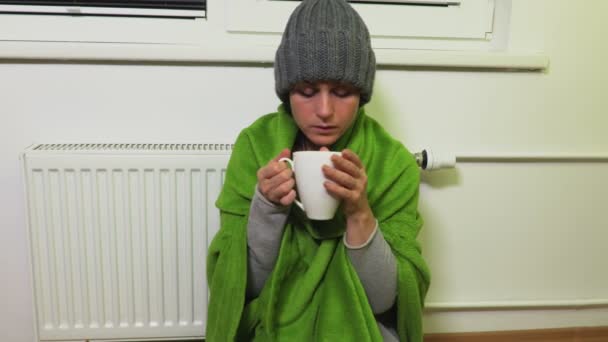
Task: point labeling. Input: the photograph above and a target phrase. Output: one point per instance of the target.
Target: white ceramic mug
(317, 203)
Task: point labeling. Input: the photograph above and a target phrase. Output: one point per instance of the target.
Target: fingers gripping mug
(317, 203)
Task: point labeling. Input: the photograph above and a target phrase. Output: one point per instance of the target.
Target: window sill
(76, 52)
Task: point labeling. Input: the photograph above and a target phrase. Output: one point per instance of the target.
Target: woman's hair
(325, 40)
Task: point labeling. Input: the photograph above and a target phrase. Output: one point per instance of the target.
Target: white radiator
(119, 235)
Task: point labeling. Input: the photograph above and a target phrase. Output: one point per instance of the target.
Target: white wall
(497, 234)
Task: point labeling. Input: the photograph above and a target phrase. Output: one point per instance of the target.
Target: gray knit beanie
(325, 40)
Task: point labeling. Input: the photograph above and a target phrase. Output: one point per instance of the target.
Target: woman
(275, 275)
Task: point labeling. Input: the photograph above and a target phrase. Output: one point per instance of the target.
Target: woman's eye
(342, 92)
(306, 92)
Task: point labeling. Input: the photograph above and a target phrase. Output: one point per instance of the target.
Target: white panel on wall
(513, 234)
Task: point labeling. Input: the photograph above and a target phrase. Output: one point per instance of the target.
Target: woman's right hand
(275, 181)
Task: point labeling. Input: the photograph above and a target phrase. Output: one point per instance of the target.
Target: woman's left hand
(348, 182)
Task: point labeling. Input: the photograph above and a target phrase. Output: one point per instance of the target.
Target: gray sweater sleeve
(376, 266)
(264, 232)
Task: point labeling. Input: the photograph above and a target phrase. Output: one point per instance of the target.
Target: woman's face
(324, 110)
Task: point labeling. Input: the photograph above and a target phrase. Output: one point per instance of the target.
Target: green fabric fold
(313, 292)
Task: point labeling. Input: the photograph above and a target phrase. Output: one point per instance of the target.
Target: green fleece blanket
(313, 292)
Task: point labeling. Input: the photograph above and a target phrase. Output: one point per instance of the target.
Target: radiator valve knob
(429, 160)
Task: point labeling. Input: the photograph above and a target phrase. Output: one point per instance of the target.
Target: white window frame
(250, 30)
(470, 26)
(471, 19)
(87, 10)
(99, 29)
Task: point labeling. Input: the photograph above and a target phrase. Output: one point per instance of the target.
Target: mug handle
(291, 164)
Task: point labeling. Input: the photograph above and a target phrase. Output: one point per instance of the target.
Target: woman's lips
(324, 129)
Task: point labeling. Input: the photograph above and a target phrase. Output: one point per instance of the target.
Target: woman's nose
(325, 106)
